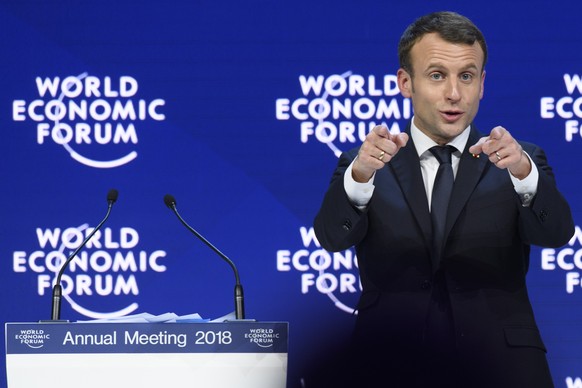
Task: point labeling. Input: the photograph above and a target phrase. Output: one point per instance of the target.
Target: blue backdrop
(239, 110)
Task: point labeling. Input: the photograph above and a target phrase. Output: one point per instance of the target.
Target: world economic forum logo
(111, 266)
(566, 108)
(333, 274)
(33, 338)
(339, 110)
(94, 119)
(263, 337)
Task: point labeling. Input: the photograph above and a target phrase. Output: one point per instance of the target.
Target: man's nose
(452, 90)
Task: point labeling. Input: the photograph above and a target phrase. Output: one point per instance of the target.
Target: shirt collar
(423, 143)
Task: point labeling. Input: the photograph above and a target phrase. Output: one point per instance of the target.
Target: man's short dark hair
(450, 26)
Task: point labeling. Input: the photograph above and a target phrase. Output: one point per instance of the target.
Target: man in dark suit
(444, 306)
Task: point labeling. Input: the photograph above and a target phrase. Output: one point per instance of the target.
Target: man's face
(446, 86)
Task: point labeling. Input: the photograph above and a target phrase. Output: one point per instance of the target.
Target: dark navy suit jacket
(484, 264)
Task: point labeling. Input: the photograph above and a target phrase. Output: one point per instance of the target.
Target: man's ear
(482, 85)
(404, 83)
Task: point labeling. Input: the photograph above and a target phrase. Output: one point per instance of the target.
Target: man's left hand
(504, 152)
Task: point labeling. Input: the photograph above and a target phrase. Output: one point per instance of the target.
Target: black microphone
(57, 289)
(239, 306)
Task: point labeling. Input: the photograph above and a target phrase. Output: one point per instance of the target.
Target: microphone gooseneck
(170, 202)
(57, 289)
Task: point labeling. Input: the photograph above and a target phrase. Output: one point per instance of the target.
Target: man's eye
(467, 77)
(436, 76)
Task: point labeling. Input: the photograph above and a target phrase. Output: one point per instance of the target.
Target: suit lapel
(468, 175)
(406, 168)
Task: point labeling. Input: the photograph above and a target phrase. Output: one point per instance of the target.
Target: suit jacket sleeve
(548, 220)
(340, 225)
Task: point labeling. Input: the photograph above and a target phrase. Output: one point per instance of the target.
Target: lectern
(237, 354)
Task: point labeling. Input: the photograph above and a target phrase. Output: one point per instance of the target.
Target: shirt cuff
(528, 186)
(358, 193)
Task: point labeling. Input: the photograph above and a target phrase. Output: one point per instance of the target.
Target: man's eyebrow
(472, 66)
(439, 66)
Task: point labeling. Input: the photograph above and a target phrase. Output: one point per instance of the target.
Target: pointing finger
(381, 131)
(401, 139)
(497, 133)
(477, 148)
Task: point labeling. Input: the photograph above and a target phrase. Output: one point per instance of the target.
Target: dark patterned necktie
(441, 193)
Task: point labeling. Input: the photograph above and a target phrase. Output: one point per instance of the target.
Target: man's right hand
(378, 149)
